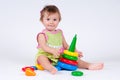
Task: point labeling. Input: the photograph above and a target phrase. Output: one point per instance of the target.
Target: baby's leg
(89, 66)
(44, 61)
(95, 66)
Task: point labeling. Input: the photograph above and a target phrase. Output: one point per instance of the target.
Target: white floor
(10, 69)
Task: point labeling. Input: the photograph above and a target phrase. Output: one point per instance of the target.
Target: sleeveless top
(54, 40)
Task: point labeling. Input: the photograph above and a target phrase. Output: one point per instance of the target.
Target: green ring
(77, 73)
(70, 57)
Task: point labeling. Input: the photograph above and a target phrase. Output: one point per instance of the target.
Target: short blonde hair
(50, 9)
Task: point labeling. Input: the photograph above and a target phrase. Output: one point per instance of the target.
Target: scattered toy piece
(77, 73)
(29, 72)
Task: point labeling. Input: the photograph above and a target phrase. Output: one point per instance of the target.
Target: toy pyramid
(68, 61)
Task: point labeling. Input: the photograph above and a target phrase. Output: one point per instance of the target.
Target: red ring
(68, 61)
(23, 69)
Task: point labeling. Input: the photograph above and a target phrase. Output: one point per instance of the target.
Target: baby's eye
(55, 19)
(48, 19)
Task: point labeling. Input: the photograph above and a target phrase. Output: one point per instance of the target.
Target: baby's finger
(55, 56)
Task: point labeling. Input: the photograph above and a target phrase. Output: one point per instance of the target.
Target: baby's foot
(53, 70)
(95, 66)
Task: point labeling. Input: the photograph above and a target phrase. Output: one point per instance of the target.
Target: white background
(96, 23)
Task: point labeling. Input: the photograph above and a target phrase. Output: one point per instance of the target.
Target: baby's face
(51, 21)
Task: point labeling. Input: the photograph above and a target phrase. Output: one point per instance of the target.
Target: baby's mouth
(50, 25)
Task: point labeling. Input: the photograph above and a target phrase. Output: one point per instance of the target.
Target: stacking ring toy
(24, 69)
(29, 72)
(39, 67)
(77, 73)
(71, 53)
(70, 57)
(66, 66)
(68, 61)
(58, 68)
(35, 68)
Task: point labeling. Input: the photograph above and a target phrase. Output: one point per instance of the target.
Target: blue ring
(35, 68)
(66, 66)
(58, 68)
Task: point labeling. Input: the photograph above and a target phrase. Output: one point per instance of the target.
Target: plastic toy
(65, 66)
(29, 71)
(68, 61)
(77, 73)
(75, 54)
(24, 69)
(39, 67)
(69, 57)
(73, 44)
(35, 68)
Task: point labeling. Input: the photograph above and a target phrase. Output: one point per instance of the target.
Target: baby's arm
(45, 47)
(65, 45)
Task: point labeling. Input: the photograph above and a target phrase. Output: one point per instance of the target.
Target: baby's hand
(56, 53)
(80, 54)
(61, 50)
